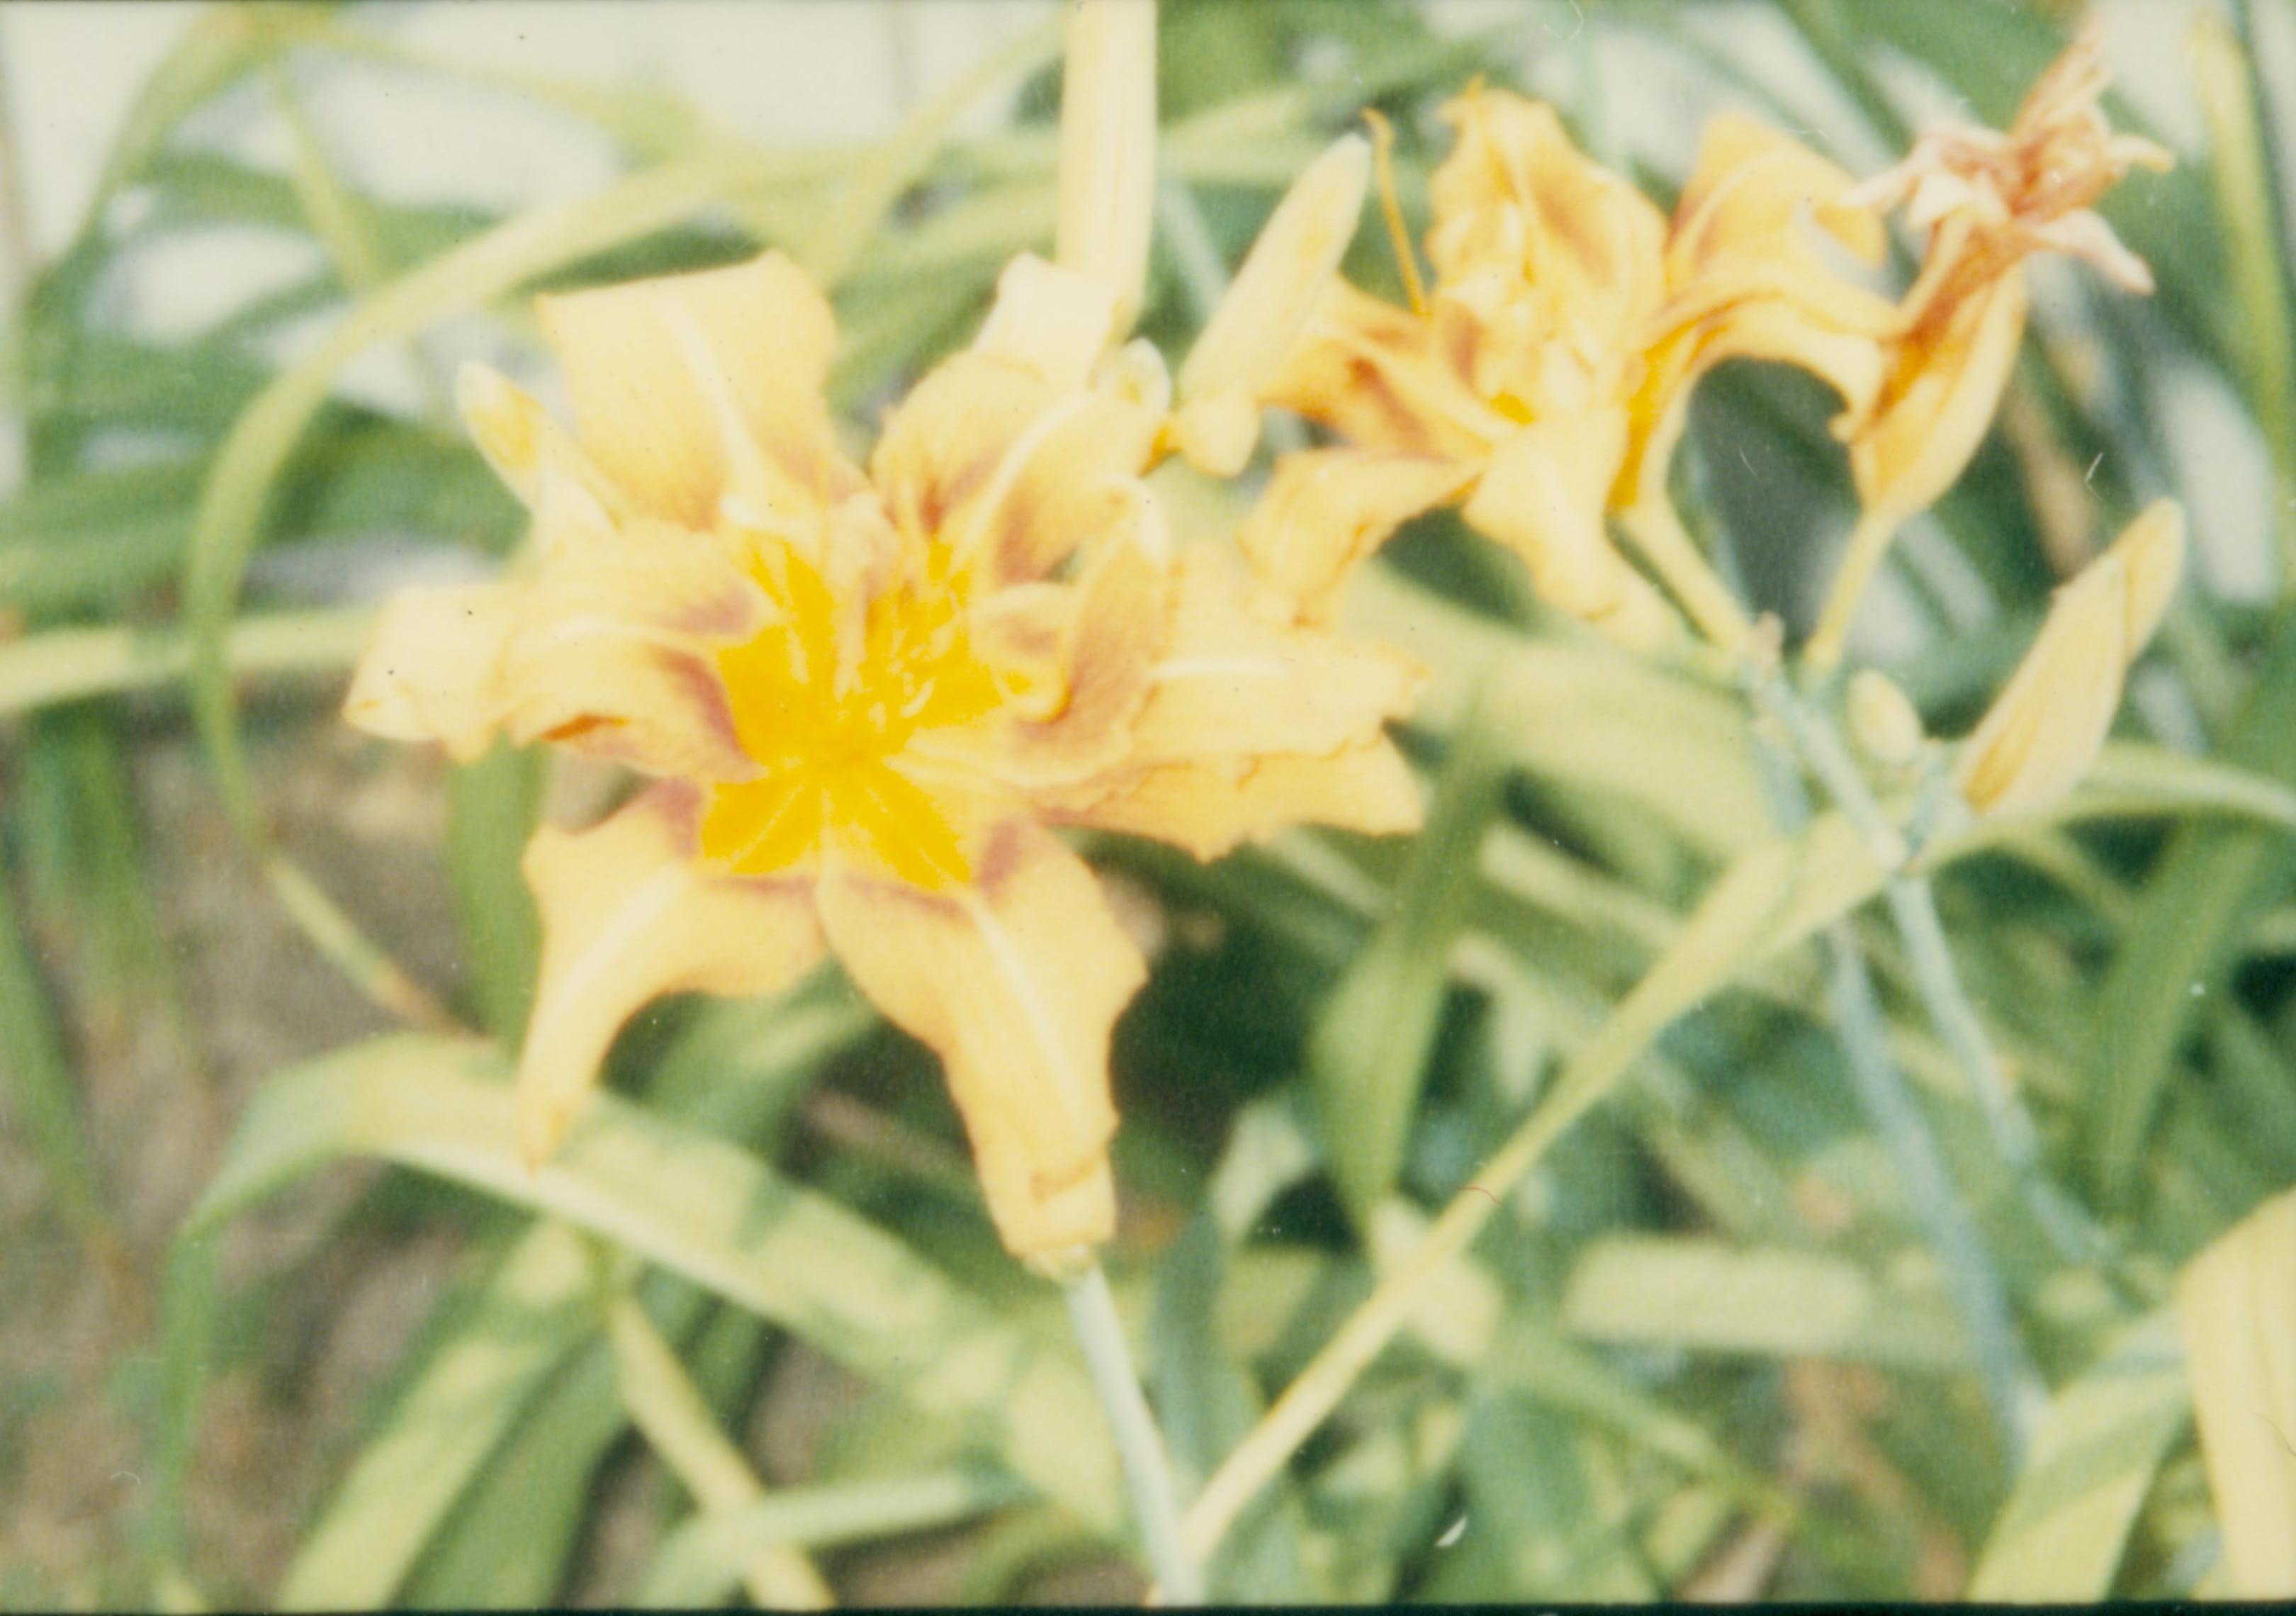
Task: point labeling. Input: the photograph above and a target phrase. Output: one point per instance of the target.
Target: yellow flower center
(827, 701)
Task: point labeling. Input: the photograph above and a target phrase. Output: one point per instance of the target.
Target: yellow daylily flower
(2046, 728)
(867, 694)
(1986, 201)
(1542, 381)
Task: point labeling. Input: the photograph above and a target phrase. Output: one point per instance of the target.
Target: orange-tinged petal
(1121, 624)
(692, 387)
(2044, 729)
(1382, 378)
(1016, 980)
(1516, 192)
(1327, 509)
(1233, 687)
(1012, 470)
(628, 916)
(1210, 808)
(1544, 497)
(1945, 383)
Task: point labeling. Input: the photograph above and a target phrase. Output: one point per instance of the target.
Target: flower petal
(1516, 193)
(1544, 497)
(1233, 688)
(1210, 810)
(1016, 980)
(628, 916)
(691, 388)
(433, 672)
(1944, 382)
(1327, 509)
(1006, 455)
(1383, 378)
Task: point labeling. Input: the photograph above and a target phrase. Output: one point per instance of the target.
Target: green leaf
(1205, 1404)
(1367, 1056)
(702, 1561)
(2060, 1536)
(533, 1315)
(2176, 952)
(40, 1091)
(492, 808)
(1589, 715)
(706, 1210)
(1710, 1296)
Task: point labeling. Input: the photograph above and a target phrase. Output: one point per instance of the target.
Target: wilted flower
(1987, 201)
(2046, 726)
(1542, 381)
(866, 694)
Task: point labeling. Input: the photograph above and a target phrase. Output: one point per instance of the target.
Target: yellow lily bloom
(1987, 201)
(1542, 382)
(2046, 728)
(867, 694)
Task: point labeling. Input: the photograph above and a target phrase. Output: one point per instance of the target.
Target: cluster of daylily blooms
(868, 691)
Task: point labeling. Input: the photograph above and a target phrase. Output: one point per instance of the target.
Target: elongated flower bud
(1108, 149)
(2046, 728)
(1254, 329)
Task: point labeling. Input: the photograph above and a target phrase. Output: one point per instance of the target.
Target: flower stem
(1912, 907)
(1657, 531)
(1869, 542)
(2012, 1385)
(1139, 1446)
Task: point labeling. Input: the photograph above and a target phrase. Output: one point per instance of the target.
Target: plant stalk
(1138, 1445)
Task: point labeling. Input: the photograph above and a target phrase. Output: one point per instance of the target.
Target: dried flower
(1987, 201)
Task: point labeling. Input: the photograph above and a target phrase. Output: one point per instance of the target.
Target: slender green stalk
(1138, 1445)
(2012, 1385)
(1861, 559)
(666, 1406)
(1657, 531)
(1912, 907)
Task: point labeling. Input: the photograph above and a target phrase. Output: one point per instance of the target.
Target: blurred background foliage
(1703, 1349)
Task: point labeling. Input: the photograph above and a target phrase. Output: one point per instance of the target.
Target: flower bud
(2046, 727)
(1108, 149)
(1883, 720)
(1254, 329)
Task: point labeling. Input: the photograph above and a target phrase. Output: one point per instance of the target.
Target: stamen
(1382, 136)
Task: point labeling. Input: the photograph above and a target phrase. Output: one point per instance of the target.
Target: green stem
(1912, 907)
(2012, 1385)
(1146, 1472)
